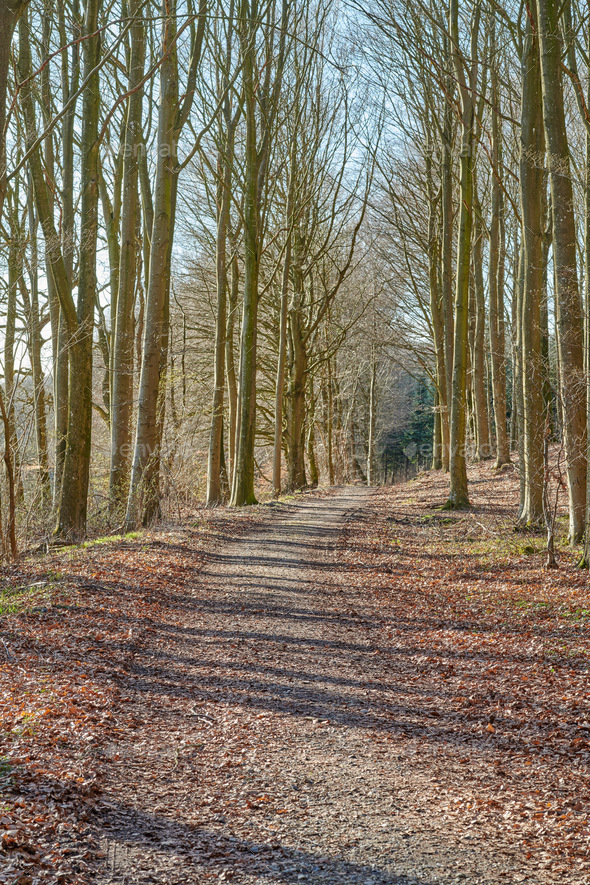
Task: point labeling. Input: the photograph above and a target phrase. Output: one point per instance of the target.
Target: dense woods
(250, 246)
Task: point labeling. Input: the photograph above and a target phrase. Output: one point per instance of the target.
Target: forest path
(264, 750)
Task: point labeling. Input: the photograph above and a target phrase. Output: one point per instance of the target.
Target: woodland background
(249, 246)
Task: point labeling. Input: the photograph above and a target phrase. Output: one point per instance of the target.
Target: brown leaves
(498, 646)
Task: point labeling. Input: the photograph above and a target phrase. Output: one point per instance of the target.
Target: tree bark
(71, 523)
(458, 493)
(122, 350)
(143, 500)
(568, 301)
(496, 276)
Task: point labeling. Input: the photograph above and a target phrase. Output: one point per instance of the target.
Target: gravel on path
(264, 751)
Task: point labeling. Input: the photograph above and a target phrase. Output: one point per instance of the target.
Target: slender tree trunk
(479, 345)
(532, 183)
(439, 314)
(143, 501)
(568, 301)
(34, 344)
(282, 356)
(62, 328)
(243, 480)
(314, 475)
(9, 13)
(296, 461)
(214, 491)
(496, 278)
(372, 410)
(232, 384)
(74, 492)
(585, 561)
(447, 251)
(15, 270)
(330, 422)
(458, 493)
(123, 325)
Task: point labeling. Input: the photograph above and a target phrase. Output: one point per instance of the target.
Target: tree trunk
(72, 513)
(296, 462)
(123, 324)
(532, 184)
(568, 302)
(243, 480)
(458, 493)
(496, 277)
(480, 398)
(439, 314)
(282, 355)
(447, 249)
(372, 410)
(232, 384)
(214, 492)
(143, 500)
(9, 13)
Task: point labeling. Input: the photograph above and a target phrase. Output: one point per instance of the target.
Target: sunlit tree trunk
(532, 184)
(458, 492)
(480, 399)
(143, 501)
(438, 311)
(9, 13)
(214, 491)
(568, 301)
(496, 276)
(123, 321)
(74, 492)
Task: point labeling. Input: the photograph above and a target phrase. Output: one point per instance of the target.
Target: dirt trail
(264, 750)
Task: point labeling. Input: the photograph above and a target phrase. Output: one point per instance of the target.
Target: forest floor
(350, 686)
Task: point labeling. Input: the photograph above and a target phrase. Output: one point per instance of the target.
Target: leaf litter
(406, 700)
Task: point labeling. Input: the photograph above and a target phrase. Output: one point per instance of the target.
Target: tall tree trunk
(9, 13)
(585, 561)
(447, 249)
(232, 384)
(76, 475)
(532, 184)
(282, 355)
(372, 411)
(458, 492)
(243, 480)
(62, 330)
(568, 301)
(15, 270)
(496, 276)
(214, 491)
(34, 345)
(143, 501)
(60, 281)
(123, 323)
(480, 398)
(438, 312)
(296, 461)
